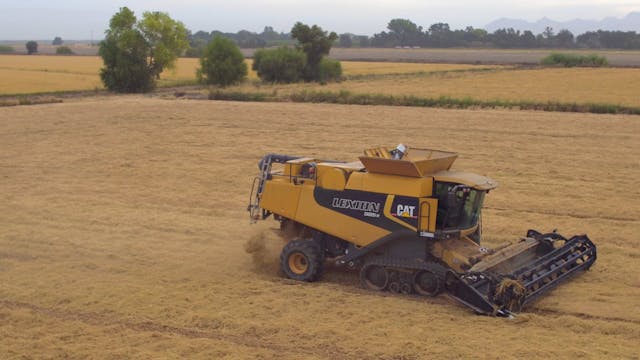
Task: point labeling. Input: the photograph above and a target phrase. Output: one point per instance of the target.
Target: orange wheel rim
(298, 263)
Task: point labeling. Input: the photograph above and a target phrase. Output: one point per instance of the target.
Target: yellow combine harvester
(411, 224)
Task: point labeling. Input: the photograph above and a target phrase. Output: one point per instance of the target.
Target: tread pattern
(312, 251)
(398, 264)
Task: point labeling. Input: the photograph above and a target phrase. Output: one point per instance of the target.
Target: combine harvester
(411, 225)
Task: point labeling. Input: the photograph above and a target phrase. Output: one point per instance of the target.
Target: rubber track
(408, 265)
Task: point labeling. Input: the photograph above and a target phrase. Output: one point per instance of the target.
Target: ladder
(256, 191)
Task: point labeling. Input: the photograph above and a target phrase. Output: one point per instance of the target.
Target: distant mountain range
(631, 22)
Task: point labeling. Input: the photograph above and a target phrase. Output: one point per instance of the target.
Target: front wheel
(302, 260)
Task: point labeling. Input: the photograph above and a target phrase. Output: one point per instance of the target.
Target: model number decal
(371, 209)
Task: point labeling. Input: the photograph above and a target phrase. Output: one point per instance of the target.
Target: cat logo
(406, 211)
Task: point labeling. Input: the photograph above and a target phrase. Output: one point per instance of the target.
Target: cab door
(428, 210)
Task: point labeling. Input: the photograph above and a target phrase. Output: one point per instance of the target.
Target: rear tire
(302, 260)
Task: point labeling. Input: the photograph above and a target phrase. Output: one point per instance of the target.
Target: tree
(166, 37)
(222, 63)
(136, 52)
(57, 41)
(506, 38)
(316, 44)
(528, 40)
(32, 47)
(363, 41)
(474, 36)
(281, 65)
(268, 34)
(590, 39)
(564, 39)
(548, 36)
(345, 41)
(406, 32)
(439, 34)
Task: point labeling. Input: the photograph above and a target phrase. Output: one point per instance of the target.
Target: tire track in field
(542, 311)
(447, 300)
(95, 319)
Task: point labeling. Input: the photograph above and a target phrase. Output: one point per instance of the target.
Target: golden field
(578, 85)
(123, 232)
(615, 86)
(23, 74)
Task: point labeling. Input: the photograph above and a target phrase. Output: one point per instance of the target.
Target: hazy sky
(83, 19)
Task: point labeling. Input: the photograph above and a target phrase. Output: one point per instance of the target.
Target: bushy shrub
(6, 49)
(222, 63)
(330, 70)
(573, 60)
(281, 65)
(64, 50)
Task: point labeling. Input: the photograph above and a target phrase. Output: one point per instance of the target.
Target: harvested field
(576, 85)
(617, 86)
(123, 232)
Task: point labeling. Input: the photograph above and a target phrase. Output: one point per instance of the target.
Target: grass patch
(442, 73)
(348, 98)
(27, 100)
(163, 83)
(238, 96)
(6, 49)
(573, 60)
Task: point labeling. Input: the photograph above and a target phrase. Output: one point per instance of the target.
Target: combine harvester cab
(411, 224)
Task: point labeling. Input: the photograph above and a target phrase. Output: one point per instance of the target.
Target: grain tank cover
(415, 163)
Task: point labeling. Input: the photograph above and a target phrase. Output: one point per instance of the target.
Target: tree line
(136, 51)
(405, 33)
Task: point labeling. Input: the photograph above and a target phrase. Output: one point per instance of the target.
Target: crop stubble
(123, 232)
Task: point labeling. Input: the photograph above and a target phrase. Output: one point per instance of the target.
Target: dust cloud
(264, 246)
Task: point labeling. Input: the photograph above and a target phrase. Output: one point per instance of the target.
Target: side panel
(343, 215)
(390, 184)
(281, 197)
